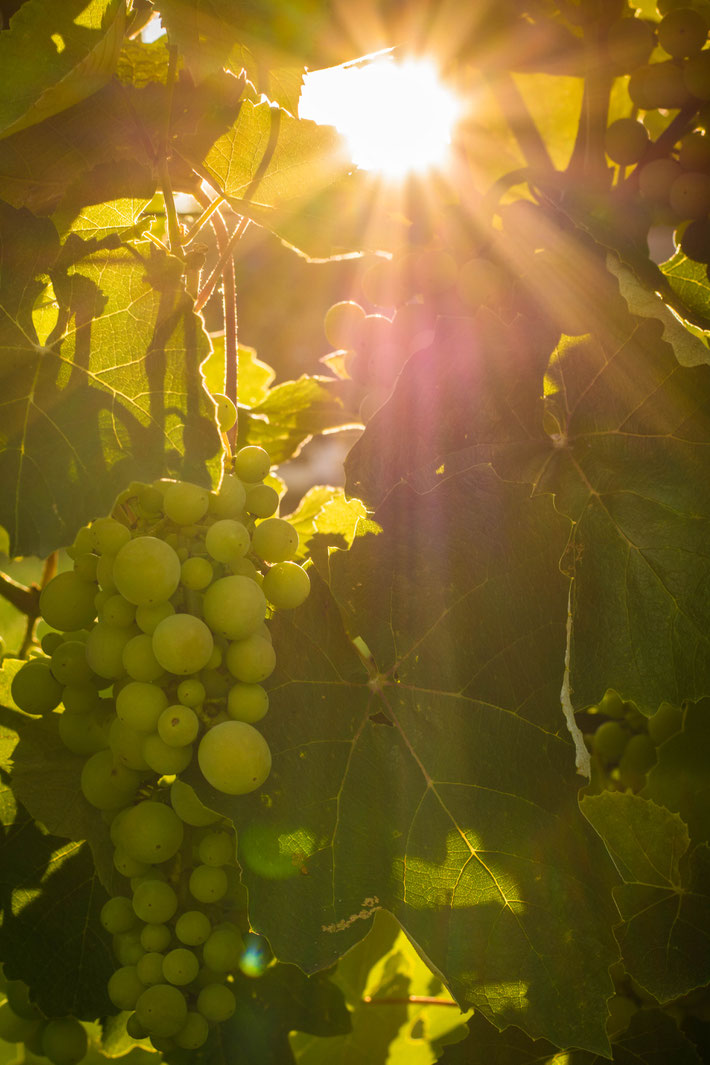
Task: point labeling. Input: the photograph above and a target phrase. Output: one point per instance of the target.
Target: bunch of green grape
(63, 1040)
(157, 654)
(623, 742)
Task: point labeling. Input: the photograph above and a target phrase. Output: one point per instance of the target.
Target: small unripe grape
(682, 32)
(164, 759)
(226, 412)
(234, 757)
(193, 927)
(247, 702)
(342, 324)
(227, 539)
(146, 571)
(125, 987)
(611, 704)
(185, 503)
(207, 883)
(182, 643)
(286, 585)
(696, 75)
(150, 968)
(180, 966)
(228, 502)
(690, 194)
(196, 573)
(275, 540)
(252, 463)
(262, 500)
(178, 725)
(117, 915)
(656, 179)
(694, 152)
(609, 741)
(193, 1033)
(162, 1010)
(155, 902)
(216, 1003)
(35, 689)
(67, 602)
(155, 937)
(626, 140)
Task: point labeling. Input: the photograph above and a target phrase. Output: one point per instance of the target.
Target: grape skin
(234, 757)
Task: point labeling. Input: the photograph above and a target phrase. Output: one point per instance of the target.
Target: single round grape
(151, 832)
(275, 540)
(639, 754)
(658, 85)
(342, 324)
(251, 660)
(247, 702)
(117, 915)
(193, 927)
(234, 606)
(667, 720)
(148, 616)
(188, 807)
(105, 784)
(228, 502)
(286, 585)
(244, 567)
(18, 995)
(626, 140)
(139, 661)
(86, 567)
(67, 602)
(15, 1029)
(262, 500)
(146, 571)
(234, 757)
(185, 503)
(150, 968)
(155, 902)
(193, 1033)
(197, 573)
(178, 725)
(51, 641)
(140, 705)
(164, 759)
(126, 865)
(118, 611)
(191, 692)
(217, 848)
(682, 32)
(124, 987)
(180, 966)
(108, 535)
(216, 1003)
(689, 194)
(162, 1010)
(223, 950)
(104, 649)
(226, 412)
(134, 1028)
(656, 179)
(127, 947)
(609, 741)
(182, 643)
(208, 884)
(694, 152)
(696, 75)
(252, 463)
(155, 937)
(227, 539)
(35, 689)
(629, 43)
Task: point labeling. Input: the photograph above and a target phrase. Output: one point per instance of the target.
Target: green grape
(104, 574)
(223, 950)
(104, 649)
(247, 702)
(126, 744)
(83, 734)
(83, 542)
(342, 324)
(626, 140)
(155, 937)
(118, 611)
(609, 741)
(234, 757)
(146, 571)
(155, 902)
(193, 927)
(251, 660)
(217, 848)
(689, 194)
(150, 968)
(226, 412)
(286, 585)
(234, 606)
(148, 616)
(216, 1003)
(639, 755)
(108, 535)
(196, 573)
(611, 704)
(15, 1029)
(151, 832)
(18, 995)
(229, 501)
(188, 807)
(163, 759)
(140, 705)
(185, 503)
(117, 915)
(86, 567)
(64, 1041)
(252, 464)
(162, 1010)
(629, 43)
(275, 540)
(694, 152)
(139, 661)
(182, 643)
(244, 567)
(227, 539)
(67, 602)
(658, 85)
(127, 947)
(180, 966)
(50, 642)
(178, 725)
(191, 692)
(105, 784)
(208, 884)
(667, 720)
(696, 75)
(656, 179)
(262, 500)
(193, 1033)
(35, 689)
(134, 1028)
(126, 865)
(682, 32)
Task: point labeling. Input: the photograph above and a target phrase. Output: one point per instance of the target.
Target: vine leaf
(114, 394)
(54, 56)
(440, 786)
(664, 900)
(680, 780)
(689, 281)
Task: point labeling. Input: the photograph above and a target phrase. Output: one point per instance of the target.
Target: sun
(397, 117)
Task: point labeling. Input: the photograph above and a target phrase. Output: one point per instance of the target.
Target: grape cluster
(157, 651)
(63, 1040)
(623, 741)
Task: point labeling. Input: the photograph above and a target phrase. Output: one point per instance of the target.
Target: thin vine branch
(410, 1000)
(22, 597)
(209, 285)
(165, 182)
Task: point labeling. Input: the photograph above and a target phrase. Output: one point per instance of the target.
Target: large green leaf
(53, 56)
(115, 393)
(664, 901)
(442, 785)
(689, 280)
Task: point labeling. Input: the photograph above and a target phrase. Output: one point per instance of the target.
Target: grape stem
(166, 184)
